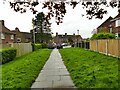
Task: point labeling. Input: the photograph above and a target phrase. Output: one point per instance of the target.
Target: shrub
(36, 46)
(8, 54)
(44, 45)
(103, 36)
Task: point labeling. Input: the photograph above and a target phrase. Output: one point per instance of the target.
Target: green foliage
(40, 22)
(44, 45)
(8, 54)
(89, 69)
(23, 71)
(103, 36)
(42, 37)
(36, 46)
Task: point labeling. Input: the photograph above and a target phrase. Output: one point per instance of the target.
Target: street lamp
(34, 31)
(78, 38)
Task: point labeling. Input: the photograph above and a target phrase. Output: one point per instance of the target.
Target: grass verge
(21, 72)
(90, 69)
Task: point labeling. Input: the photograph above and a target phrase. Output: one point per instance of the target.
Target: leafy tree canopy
(103, 36)
(57, 8)
(40, 23)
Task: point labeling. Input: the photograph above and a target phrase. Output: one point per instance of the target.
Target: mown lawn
(21, 72)
(90, 69)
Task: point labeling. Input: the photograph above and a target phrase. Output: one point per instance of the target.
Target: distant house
(59, 39)
(6, 36)
(22, 37)
(111, 25)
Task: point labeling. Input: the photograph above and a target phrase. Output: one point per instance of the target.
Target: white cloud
(71, 23)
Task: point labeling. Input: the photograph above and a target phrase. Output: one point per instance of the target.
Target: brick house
(22, 37)
(6, 36)
(59, 39)
(111, 25)
(115, 25)
(105, 26)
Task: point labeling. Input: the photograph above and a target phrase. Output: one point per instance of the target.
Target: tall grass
(90, 69)
(22, 72)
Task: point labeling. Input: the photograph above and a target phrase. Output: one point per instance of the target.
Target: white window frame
(19, 40)
(117, 23)
(2, 36)
(12, 37)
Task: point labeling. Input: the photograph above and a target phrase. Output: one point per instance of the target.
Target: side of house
(22, 37)
(6, 36)
(111, 25)
(105, 26)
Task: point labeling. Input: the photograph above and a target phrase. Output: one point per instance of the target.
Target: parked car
(59, 46)
(51, 46)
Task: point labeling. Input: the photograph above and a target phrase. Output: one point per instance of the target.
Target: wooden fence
(108, 46)
(22, 48)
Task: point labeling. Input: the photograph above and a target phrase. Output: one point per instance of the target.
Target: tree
(40, 23)
(43, 37)
(57, 8)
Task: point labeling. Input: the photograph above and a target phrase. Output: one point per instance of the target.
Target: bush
(36, 46)
(44, 45)
(103, 36)
(8, 54)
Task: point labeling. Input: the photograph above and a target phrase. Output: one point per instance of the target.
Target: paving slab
(54, 74)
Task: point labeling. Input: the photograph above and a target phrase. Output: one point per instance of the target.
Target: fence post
(106, 47)
(96, 45)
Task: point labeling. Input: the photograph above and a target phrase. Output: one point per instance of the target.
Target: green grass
(91, 69)
(22, 72)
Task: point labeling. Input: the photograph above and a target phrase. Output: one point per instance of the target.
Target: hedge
(103, 36)
(36, 46)
(44, 45)
(8, 54)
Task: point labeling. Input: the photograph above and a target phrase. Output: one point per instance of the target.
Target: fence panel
(22, 48)
(93, 45)
(102, 46)
(108, 46)
(113, 47)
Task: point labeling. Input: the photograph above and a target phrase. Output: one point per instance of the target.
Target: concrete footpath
(54, 74)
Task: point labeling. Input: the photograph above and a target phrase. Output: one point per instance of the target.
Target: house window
(117, 23)
(2, 36)
(12, 37)
(110, 30)
(117, 34)
(18, 40)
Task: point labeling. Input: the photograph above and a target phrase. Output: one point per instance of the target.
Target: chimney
(2, 22)
(65, 34)
(56, 33)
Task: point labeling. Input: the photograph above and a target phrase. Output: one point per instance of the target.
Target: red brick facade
(110, 26)
(5, 34)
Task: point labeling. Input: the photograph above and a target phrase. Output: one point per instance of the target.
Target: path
(54, 74)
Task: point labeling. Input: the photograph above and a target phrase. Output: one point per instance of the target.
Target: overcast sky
(72, 21)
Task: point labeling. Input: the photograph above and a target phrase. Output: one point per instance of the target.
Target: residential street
(54, 74)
